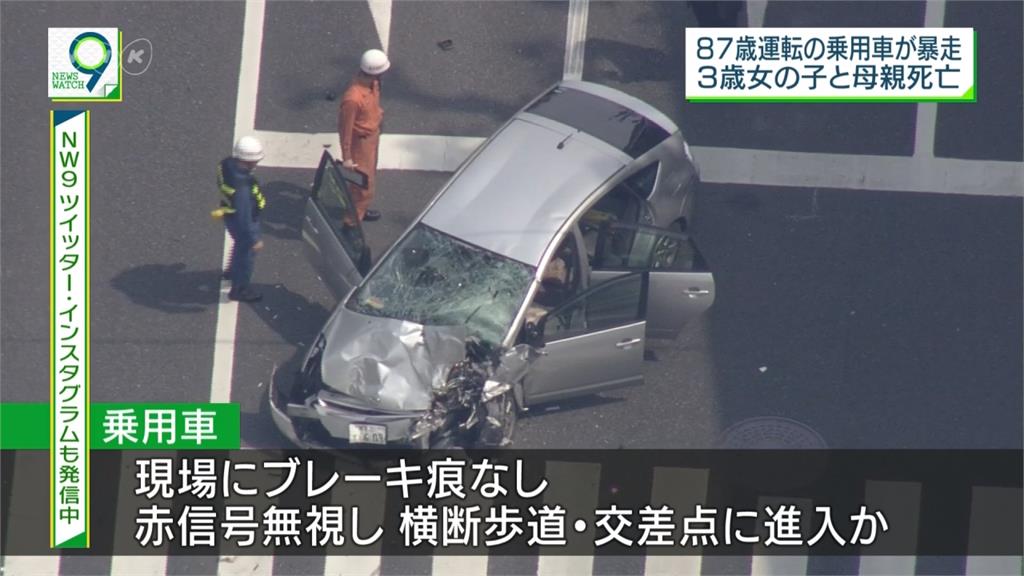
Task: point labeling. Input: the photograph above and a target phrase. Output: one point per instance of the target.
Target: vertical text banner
(69, 329)
(831, 64)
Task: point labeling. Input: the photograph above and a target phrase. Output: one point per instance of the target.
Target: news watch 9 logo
(84, 64)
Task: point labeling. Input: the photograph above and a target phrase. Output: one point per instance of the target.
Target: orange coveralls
(359, 119)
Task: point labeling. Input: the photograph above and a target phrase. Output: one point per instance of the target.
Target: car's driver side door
(331, 230)
(593, 342)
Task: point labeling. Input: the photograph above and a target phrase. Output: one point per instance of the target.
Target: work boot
(245, 295)
(371, 216)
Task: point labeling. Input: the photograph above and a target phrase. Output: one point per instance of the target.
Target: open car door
(331, 231)
(681, 286)
(593, 342)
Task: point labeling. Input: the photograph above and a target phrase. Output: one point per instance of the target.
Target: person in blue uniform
(241, 204)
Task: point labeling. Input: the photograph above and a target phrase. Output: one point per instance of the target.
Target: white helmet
(248, 149)
(374, 62)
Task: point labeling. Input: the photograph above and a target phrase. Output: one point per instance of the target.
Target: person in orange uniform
(359, 121)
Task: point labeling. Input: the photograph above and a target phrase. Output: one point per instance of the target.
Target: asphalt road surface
(879, 319)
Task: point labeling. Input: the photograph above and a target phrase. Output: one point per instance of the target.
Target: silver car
(566, 230)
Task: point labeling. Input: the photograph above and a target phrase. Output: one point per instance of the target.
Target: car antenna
(564, 140)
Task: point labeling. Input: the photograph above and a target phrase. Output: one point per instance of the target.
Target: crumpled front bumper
(319, 423)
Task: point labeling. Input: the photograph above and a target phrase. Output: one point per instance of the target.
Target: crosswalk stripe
(901, 504)
(32, 499)
(243, 565)
(370, 497)
(574, 486)
(765, 565)
(992, 509)
(681, 489)
(124, 527)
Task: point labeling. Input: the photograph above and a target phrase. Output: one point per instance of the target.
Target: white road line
(765, 565)
(575, 39)
(927, 112)
(993, 509)
(124, 527)
(227, 310)
(371, 498)
(860, 172)
(245, 121)
(681, 489)
(466, 565)
(755, 13)
(249, 71)
(31, 501)
(718, 165)
(901, 503)
(397, 151)
(574, 486)
(380, 10)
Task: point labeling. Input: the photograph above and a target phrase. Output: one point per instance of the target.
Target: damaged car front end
(408, 359)
(404, 384)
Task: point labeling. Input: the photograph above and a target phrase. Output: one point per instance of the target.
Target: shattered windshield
(434, 279)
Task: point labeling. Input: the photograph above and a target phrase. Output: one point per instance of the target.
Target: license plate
(367, 434)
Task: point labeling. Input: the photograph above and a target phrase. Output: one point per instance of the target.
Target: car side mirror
(533, 334)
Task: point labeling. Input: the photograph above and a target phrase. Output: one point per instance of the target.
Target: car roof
(518, 192)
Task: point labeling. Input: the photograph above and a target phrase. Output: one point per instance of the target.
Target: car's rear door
(681, 286)
(593, 342)
(330, 228)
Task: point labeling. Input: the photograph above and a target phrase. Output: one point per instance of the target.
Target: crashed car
(560, 245)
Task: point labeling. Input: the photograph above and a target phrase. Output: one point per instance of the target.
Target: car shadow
(169, 288)
(289, 314)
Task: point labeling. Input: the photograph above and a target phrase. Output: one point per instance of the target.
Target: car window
(431, 278)
(619, 206)
(612, 303)
(334, 202)
(625, 247)
(642, 183)
(617, 125)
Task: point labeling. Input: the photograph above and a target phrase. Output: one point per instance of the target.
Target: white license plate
(367, 434)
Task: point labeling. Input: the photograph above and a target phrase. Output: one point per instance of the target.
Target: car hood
(386, 363)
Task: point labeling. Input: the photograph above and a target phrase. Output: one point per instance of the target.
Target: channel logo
(84, 64)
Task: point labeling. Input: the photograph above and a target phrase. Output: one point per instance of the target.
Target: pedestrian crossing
(575, 485)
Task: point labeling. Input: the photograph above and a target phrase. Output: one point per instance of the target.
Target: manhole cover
(778, 463)
(771, 433)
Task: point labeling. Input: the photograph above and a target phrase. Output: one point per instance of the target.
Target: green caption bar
(130, 426)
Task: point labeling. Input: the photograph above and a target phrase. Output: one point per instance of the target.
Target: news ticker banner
(831, 65)
(135, 426)
(616, 502)
(68, 434)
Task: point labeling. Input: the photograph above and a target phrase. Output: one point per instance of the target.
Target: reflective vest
(227, 192)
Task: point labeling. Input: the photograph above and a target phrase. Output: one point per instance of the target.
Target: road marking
(927, 112)
(380, 10)
(993, 510)
(371, 499)
(755, 13)
(901, 503)
(575, 39)
(227, 310)
(25, 510)
(681, 489)
(126, 509)
(397, 151)
(574, 486)
(718, 165)
(765, 565)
